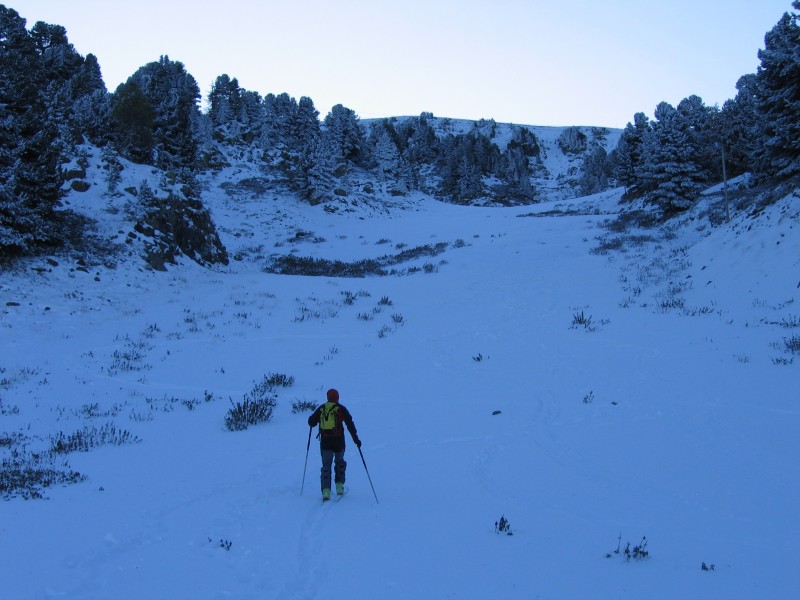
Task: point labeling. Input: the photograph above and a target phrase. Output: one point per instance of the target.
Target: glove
(357, 442)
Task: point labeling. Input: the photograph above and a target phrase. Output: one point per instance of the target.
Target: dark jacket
(334, 440)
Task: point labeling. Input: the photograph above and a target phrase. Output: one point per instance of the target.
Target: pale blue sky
(534, 62)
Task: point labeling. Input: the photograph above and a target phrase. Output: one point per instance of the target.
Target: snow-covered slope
(590, 398)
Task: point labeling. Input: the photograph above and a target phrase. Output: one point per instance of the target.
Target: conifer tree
(670, 170)
(385, 156)
(278, 113)
(88, 79)
(30, 144)
(91, 107)
(251, 116)
(303, 126)
(172, 93)
(345, 133)
(67, 78)
(464, 161)
(289, 126)
(595, 172)
(628, 157)
(740, 127)
(516, 173)
(133, 118)
(778, 92)
(702, 123)
(289, 132)
(318, 164)
(220, 109)
(421, 143)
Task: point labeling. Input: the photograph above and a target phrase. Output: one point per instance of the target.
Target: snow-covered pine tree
(740, 126)
(628, 155)
(88, 79)
(67, 78)
(318, 164)
(385, 157)
(346, 133)
(595, 172)
(421, 142)
(670, 170)
(30, 141)
(220, 103)
(236, 114)
(91, 117)
(702, 123)
(251, 116)
(463, 162)
(173, 95)
(132, 120)
(144, 201)
(516, 173)
(288, 133)
(278, 113)
(302, 127)
(113, 169)
(778, 91)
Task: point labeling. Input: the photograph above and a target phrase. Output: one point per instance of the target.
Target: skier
(330, 417)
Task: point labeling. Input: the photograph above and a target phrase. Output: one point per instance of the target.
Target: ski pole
(308, 447)
(368, 477)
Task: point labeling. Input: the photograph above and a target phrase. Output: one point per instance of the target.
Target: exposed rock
(572, 141)
(174, 227)
(74, 174)
(79, 185)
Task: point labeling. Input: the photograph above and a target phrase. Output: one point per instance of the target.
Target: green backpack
(329, 419)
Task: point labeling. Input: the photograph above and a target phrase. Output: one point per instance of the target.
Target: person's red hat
(333, 395)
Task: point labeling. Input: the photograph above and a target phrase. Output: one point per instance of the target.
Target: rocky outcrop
(174, 226)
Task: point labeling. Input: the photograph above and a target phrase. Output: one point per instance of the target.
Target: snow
(676, 423)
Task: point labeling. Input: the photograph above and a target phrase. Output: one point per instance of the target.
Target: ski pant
(339, 467)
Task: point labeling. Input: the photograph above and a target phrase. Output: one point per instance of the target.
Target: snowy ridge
(590, 396)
